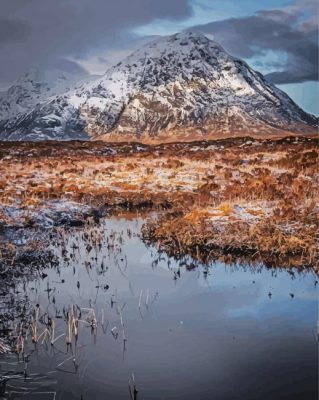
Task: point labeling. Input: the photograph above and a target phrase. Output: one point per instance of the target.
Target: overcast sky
(277, 37)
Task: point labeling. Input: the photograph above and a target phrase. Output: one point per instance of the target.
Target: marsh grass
(196, 189)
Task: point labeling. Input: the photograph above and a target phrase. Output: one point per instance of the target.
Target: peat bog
(149, 272)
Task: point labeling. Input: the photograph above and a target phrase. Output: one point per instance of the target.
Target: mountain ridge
(181, 87)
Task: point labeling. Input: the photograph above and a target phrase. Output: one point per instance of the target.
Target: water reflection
(115, 319)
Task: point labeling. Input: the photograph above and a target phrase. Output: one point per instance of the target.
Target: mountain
(180, 87)
(33, 88)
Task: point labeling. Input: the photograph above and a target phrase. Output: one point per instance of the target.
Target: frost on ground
(234, 196)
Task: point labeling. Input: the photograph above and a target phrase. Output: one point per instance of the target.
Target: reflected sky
(220, 332)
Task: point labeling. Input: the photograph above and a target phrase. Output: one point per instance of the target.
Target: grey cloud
(279, 16)
(47, 29)
(38, 32)
(13, 31)
(277, 30)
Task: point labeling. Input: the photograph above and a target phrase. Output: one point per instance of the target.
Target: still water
(184, 331)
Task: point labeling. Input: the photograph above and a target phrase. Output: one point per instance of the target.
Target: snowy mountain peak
(33, 88)
(172, 55)
(181, 87)
(182, 40)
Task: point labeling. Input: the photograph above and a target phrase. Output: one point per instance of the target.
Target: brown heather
(228, 199)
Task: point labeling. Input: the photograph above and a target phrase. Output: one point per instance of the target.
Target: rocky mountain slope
(180, 87)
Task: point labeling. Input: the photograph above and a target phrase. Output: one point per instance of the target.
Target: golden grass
(275, 182)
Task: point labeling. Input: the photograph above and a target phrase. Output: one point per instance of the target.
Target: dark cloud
(13, 31)
(291, 31)
(37, 31)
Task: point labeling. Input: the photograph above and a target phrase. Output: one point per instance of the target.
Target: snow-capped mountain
(23, 95)
(180, 87)
(33, 88)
